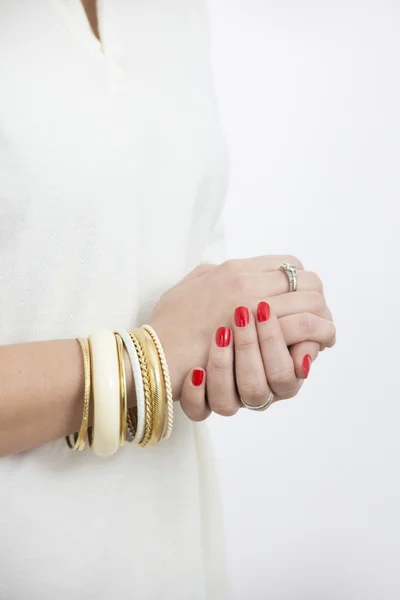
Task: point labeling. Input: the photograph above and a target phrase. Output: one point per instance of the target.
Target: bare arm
(41, 393)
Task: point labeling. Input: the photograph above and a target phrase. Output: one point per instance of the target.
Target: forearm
(41, 393)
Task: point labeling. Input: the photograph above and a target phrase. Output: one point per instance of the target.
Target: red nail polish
(307, 360)
(197, 377)
(263, 312)
(223, 337)
(242, 316)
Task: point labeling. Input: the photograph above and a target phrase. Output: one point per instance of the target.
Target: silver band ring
(263, 406)
(291, 272)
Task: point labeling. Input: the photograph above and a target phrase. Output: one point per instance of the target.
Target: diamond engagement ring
(291, 272)
(263, 406)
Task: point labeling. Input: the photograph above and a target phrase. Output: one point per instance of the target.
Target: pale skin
(41, 396)
(42, 383)
(269, 351)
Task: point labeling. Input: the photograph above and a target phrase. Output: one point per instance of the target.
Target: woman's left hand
(251, 361)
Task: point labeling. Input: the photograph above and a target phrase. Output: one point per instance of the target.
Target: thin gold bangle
(167, 382)
(80, 438)
(131, 424)
(156, 383)
(147, 391)
(122, 389)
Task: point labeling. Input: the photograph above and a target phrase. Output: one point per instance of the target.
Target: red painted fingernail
(263, 312)
(223, 337)
(307, 360)
(242, 316)
(197, 377)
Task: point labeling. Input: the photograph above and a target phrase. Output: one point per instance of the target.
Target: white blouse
(112, 179)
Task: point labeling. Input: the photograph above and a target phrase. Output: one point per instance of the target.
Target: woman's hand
(187, 315)
(250, 364)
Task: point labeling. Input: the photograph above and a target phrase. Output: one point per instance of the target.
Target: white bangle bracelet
(106, 393)
(137, 377)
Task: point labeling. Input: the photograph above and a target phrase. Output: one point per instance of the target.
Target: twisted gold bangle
(167, 381)
(131, 424)
(122, 389)
(147, 391)
(80, 438)
(157, 387)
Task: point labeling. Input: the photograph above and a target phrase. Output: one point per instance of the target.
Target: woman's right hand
(187, 315)
(249, 364)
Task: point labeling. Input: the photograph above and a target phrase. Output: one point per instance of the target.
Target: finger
(307, 327)
(221, 386)
(303, 355)
(193, 398)
(299, 302)
(274, 283)
(250, 374)
(278, 363)
(261, 263)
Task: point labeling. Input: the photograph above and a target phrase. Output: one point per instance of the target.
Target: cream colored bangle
(106, 393)
(167, 382)
(79, 439)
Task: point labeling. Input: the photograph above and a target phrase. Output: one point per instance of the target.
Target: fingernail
(242, 316)
(223, 337)
(197, 377)
(307, 360)
(263, 312)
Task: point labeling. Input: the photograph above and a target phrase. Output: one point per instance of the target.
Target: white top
(112, 177)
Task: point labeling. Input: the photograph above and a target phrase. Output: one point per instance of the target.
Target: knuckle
(307, 324)
(245, 345)
(255, 393)
(230, 266)
(283, 378)
(293, 260)
(219, 368)
(332, 336)
(316, 282)
(316, 302)
(226, 409)
(266, 335)
(203, 269)
(241, 284)
(198, 417)
(287, 394)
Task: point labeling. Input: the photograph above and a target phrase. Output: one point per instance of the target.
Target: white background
(310, 98)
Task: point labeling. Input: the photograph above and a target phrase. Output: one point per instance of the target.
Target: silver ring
(291, 272)
(263, 406)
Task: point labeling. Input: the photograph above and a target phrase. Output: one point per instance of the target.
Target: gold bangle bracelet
(131, 424)
(156, 384)
(122, 389)
(147, 391)
(167, 382)
(80, 438)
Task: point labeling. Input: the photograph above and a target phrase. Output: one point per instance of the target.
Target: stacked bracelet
(169, 423)
(105, 385)
(156, 385)
(138, 431)
(106, 393)
(80, 438)
(123, 390)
